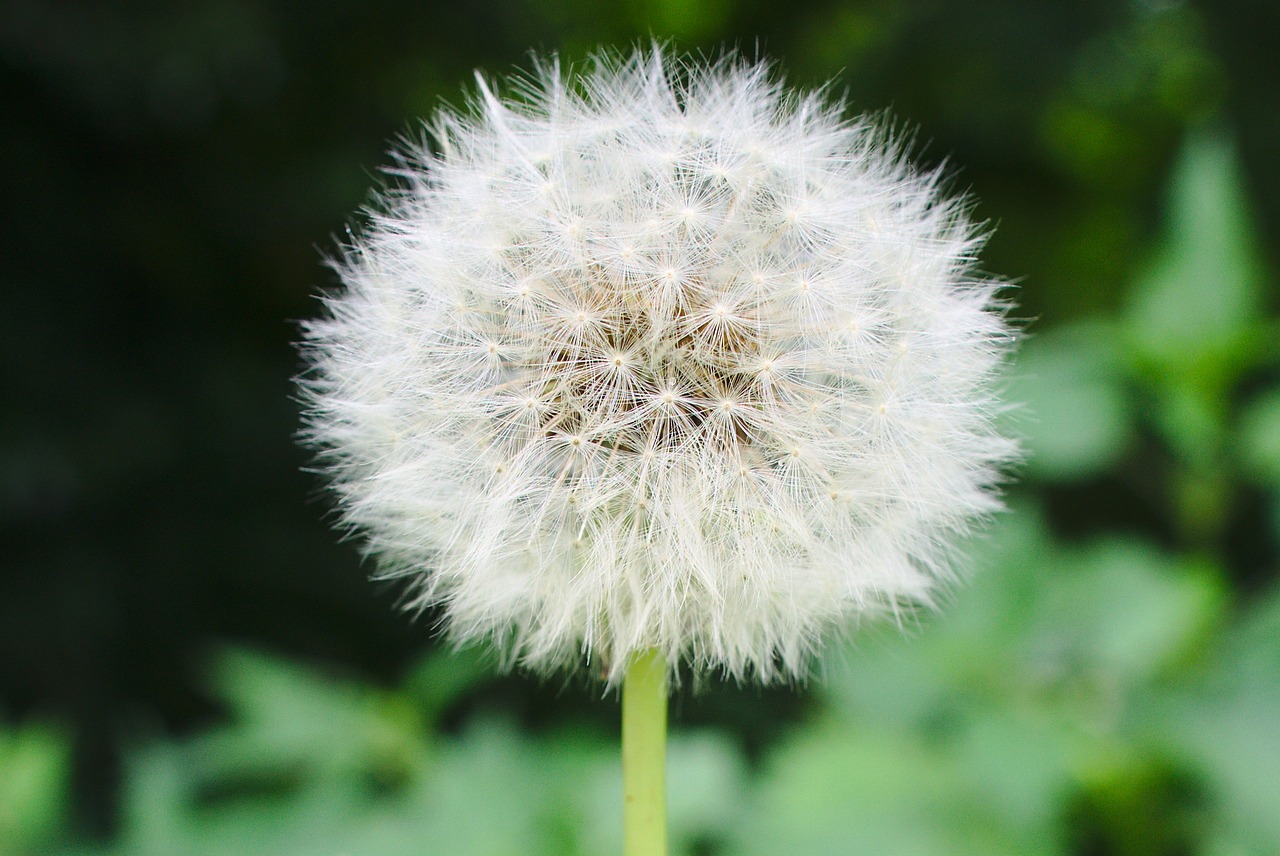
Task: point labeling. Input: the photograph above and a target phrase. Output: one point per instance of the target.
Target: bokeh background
(192, 663)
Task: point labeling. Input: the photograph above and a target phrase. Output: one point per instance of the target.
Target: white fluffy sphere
(663, 355)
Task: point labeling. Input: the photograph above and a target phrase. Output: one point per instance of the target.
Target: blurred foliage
(1108, 699)
(33, 787)
(1100, 696)
(1108, 683)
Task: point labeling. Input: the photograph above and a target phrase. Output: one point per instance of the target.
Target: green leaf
(1120, 613)
(1224, 726)
(490, 790)
(443, 677)
(1260, 439)
(289, 717)
(836, 790)
(1195, 307)
(34, 771)
(1076, 420)
(1022, 760)
(1037, 621)
(975, 646)
(492, 793)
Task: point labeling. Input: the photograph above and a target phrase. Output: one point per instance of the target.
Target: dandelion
(660, 363)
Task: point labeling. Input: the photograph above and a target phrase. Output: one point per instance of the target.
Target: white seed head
(662, 355)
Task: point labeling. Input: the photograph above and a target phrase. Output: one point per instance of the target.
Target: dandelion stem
(644, 755)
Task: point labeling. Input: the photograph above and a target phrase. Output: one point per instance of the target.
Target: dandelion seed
(734, 391)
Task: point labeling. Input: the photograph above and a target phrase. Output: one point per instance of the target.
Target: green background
(191, 662)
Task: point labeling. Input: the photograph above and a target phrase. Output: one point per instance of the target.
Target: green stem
(644, 755)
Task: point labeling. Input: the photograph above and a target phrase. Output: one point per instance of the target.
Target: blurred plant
(1039, 716)
(1172, 366)
(309, 765)
(34, 779)
(1111, 701)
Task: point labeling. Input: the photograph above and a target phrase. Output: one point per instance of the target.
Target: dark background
(173, 173)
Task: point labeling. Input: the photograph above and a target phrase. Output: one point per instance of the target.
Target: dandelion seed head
(660, 354)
